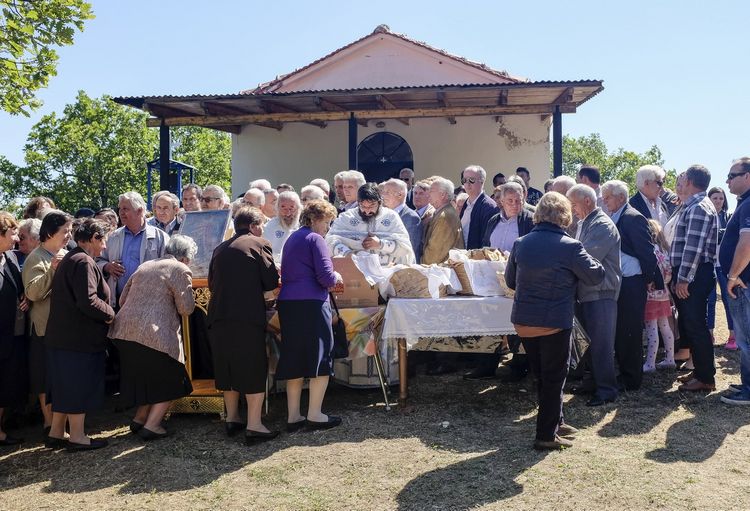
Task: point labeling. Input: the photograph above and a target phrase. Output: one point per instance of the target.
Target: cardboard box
(357, 291)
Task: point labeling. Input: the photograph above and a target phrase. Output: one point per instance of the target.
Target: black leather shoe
(135, 427)
(332, 422)
(51, 442)
(292, 427)
(480, 373)
(96, 443)
(147, 434)
(256, 437)
(232, 428)
(598, 401)
(9, 440)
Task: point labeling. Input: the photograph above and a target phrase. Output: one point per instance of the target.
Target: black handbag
(340, 342)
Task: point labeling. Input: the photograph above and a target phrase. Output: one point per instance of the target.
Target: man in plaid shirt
(693, 255)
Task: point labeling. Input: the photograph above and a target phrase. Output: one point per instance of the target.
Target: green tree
(209, 151)
(29, 33)
(11, 178)
(90, 154)
(620, 164)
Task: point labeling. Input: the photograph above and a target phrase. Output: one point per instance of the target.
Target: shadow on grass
(469, 484)
(697, 438)
(481, 418)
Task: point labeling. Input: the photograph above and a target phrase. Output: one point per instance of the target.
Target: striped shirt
(695, 238)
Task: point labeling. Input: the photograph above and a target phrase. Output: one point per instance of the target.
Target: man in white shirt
(280, 227)
(650, 182)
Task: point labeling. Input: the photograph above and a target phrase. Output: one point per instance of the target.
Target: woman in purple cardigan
(305, 316)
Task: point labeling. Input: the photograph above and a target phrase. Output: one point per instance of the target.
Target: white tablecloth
(415, 318)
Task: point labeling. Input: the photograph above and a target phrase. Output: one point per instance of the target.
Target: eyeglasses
(209, 199)
(732, 175)
(470, 180)
(659, 183)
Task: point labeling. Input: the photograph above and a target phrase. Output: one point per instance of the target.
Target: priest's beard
(288, 223)
(368, 217)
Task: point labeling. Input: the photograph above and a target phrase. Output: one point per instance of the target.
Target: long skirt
(148, 376)
(239, 355)
(75, 380)
(13, 372)
(37, 364)
(306, 339)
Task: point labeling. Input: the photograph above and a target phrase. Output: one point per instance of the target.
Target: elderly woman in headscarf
(147, 333)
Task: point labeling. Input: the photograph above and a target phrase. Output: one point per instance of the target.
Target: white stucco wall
(301, 152)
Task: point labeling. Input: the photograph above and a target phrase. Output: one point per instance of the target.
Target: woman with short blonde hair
(553, 208)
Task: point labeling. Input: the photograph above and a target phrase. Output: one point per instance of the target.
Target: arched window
(382, 155)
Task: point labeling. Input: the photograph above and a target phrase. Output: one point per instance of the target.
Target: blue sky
(676, 73)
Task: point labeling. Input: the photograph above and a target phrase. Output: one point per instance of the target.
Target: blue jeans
(711, 312)
(739, 308)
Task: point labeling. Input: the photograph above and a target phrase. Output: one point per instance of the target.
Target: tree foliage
(29, 33)
(209, 151)
(96, 149)
(619, 164)
(90, 154)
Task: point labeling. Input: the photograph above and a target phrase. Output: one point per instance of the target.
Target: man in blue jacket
(478, 208)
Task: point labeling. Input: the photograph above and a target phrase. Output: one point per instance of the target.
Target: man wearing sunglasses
(650, 182)
(734, 256)
(478, 208)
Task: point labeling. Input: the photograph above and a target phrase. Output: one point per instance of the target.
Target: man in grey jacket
(598, 303)
(131, 245)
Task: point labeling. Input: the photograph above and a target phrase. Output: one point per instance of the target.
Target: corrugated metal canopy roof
(230, 111)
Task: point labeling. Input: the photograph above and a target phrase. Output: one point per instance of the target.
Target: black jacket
(525, 224)
(544, 268)
(79, 307)
(640, 205)
(484, 209)
(635, 241)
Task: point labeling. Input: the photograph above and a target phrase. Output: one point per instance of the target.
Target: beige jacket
(442, 234)
(37, 283)
(151, 304)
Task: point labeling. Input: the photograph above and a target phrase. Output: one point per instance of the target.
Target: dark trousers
(629, 331)
(599, 319)
(548, 357)
(692, 321)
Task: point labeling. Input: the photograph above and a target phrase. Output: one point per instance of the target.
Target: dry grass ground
(654, 449)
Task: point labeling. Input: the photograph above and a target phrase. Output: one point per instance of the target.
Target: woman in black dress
(76, 336)
(13, 305)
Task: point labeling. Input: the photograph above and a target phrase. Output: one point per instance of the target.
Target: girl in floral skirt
(659, 307)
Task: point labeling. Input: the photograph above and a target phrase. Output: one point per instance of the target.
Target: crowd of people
(76, 290)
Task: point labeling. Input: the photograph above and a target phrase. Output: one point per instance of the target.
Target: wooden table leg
(403, 373)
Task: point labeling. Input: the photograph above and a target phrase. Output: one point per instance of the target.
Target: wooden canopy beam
(564, 98)
(502, 98)
(274, 107)
(444, 103)
(405, 113)
(330, 106)
(386, 104)
(276, 125)
(232, 128)
(165, 111)
(216, 108)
